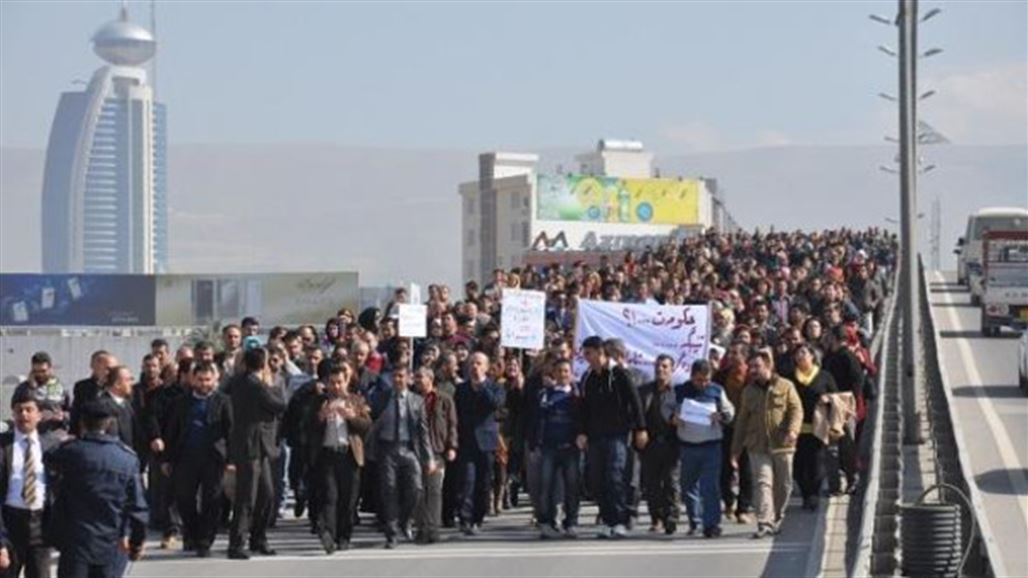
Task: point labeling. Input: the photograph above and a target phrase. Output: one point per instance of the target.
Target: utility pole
(935, 237)
(909, 282)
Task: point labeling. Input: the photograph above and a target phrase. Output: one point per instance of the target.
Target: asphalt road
(508, 546)
(993, 413)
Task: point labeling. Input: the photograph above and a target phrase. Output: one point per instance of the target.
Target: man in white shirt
(23, 485)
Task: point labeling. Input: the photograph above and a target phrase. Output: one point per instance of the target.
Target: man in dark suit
(90, 388)
(118, 395)
(197, 434)
(256, 407)
(399, 439)
(478, 437)
(24, 487)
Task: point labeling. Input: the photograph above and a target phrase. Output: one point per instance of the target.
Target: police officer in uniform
(99, 505)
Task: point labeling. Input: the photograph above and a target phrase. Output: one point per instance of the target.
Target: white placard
(681, 331)
(523, 319)
(413, 320)
(696, 412)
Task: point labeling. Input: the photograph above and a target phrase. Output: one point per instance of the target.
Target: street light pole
(909, 302)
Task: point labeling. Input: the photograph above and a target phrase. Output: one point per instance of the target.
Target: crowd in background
(445, 431)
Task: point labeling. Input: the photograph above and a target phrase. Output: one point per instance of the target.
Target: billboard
(584, 198)
(31, 299)
(273, 298)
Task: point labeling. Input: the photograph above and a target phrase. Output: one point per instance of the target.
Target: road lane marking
(1007, 453)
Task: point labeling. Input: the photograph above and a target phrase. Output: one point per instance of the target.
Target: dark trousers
(70, 567)
(558, 477)
(198, 495)
(476, 469)
(701, 468)
(608, 456)
(736, 485)
(338, 490)
(278, 476)
(660, 472)
(28, 550)
(298, 472)
(807, 466)
(451, 494)
(160, 496)
(400, 476)
(430, 508)
(251, 512)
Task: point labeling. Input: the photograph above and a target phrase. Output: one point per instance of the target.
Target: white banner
(523, 319)
(681, 331)
(413, 320)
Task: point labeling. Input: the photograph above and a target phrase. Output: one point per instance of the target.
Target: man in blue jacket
(100, 505)
(477, 438)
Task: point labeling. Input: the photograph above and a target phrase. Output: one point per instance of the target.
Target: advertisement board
(31, 299)
(273, 298)
(583, 198)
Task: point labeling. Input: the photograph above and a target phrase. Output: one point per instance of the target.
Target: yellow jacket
(766, 416)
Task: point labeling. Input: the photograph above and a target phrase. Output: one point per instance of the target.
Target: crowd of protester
(443, 432)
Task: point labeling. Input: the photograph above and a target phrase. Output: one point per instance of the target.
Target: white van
(969, 247)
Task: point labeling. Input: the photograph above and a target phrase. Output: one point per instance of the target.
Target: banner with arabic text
(681, 331)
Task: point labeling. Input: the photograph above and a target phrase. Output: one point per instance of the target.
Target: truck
(1004, 297)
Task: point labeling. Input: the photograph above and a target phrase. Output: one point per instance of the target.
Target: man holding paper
(704, 409)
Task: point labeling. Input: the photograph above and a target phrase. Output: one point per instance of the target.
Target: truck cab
(1004, 279)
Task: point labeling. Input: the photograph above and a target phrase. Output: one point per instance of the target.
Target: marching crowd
(446, 431)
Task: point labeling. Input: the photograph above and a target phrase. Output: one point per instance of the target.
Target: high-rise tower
(104, 206)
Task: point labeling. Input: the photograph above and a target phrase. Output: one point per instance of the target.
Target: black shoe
(263, 550)
(328, 543)
(449, 523)
(204, 552)
(714, 532)
(237, 554)
(390, 543)
(468, 529)
(670, 527)
(692, 530)
(343, 545)
(299, 507)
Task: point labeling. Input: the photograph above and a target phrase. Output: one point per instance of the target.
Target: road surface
(508, 546)
(992, 411)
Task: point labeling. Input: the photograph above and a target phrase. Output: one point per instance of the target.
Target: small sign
(413, 320)
(523, 319)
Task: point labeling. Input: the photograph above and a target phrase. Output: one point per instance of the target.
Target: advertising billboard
(583, 198)
(273, 298)
(31, 299)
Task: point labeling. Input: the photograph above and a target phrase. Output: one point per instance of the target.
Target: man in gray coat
(399, 441)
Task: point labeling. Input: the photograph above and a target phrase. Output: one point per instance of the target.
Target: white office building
(612, 202)
(104, 206)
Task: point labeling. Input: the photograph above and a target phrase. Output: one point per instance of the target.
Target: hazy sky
(681, 77)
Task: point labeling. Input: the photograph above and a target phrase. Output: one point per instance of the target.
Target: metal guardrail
(989, 557)
(862, 557)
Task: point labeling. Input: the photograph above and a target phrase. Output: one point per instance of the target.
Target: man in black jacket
(154, 416)
(198, 431)
(478, 437)
(660, 471)
(25, 490)
(610, 412)
(256, 407)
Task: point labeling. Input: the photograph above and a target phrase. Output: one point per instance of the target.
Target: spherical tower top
(123, 43)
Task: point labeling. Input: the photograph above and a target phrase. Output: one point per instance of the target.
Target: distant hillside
(394, 214)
